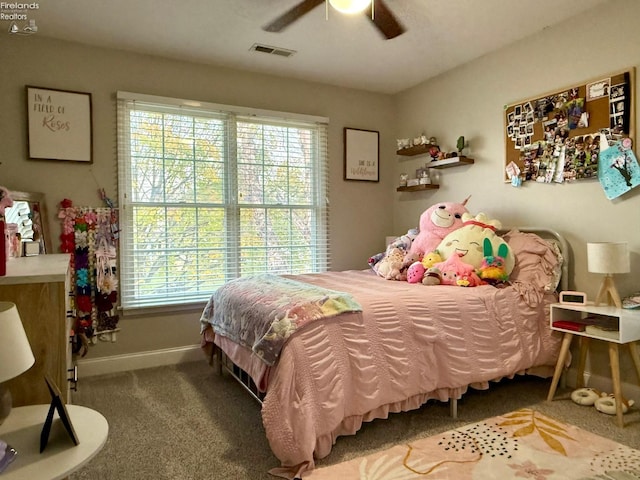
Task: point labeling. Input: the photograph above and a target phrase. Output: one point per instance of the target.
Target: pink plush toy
(415, 273)
(455, 272)
(437, 222)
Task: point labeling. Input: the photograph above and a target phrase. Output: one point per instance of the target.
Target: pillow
(538, 261)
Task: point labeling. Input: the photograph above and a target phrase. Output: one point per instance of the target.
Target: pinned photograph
(598, 89)
(617, 92)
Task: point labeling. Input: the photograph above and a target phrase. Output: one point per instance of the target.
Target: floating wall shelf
(417, 188)
(450, 162)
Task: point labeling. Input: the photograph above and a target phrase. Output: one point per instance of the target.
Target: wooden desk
(22, 431)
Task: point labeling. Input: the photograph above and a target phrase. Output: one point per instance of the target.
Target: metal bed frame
(222, 362)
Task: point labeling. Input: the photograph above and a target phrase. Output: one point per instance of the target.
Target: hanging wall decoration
(59, 125)
(361, 155)
(618, 170)
(90, 235)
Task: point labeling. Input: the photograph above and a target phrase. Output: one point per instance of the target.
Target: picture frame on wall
(361, 155)
(59, 125)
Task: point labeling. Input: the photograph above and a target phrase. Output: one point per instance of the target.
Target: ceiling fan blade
(292, 15)
(384, 20)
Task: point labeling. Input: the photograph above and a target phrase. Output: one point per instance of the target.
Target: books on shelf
(592, 324)
(603, 331)
(569, 325)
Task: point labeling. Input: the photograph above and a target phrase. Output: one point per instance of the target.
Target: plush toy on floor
(585, 396)
(604, 403)
(607, 404)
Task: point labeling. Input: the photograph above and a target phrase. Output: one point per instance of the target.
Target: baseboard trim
(156, 358)
(629, 390)
(172, 356)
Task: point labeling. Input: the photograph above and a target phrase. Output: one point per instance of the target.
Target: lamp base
(5, 402)
(608, 289)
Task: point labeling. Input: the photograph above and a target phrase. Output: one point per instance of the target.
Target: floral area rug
(520, 444)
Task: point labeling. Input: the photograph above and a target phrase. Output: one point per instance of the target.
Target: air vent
(282, 52)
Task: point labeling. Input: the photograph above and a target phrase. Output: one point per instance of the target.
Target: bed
(408, 344)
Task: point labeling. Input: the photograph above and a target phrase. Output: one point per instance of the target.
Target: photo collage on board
(553, 136)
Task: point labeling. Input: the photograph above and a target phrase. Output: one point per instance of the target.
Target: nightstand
(622, 327)
(61, 457)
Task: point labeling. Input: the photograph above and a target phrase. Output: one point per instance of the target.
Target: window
(209, 193)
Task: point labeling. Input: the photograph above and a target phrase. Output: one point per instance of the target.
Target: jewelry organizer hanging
(90, 235)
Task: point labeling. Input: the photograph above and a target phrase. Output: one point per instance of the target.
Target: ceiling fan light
(350, 6)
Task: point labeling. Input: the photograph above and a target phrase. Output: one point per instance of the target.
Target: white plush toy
(585, 396)
(604, 403)
(390, 267)
(607, 404)
(468, 241)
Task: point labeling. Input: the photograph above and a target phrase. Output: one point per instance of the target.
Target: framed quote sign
(59, 125)
(361, 155)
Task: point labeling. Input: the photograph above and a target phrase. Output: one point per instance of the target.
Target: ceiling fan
(381, 17)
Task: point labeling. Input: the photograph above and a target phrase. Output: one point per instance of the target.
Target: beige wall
(360, 212)
(469, 101)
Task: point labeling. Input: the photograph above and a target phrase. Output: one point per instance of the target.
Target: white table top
(61, 457)
(37, 269)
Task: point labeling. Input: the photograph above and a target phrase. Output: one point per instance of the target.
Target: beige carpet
(185, 422)
(520, 444)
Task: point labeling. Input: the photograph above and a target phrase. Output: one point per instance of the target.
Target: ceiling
(342, 50)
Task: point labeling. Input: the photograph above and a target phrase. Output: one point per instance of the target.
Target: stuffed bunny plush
(493, 267)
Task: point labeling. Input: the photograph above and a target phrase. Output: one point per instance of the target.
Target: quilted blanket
(261, 312)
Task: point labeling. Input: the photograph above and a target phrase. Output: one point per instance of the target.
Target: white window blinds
(211, 193)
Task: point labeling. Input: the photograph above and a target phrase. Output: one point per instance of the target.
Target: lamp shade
(16, 356)
(350, 6)
(608, 258)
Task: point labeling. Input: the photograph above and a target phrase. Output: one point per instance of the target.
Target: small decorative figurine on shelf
(434, 151)
(460, 145)
(424, 177)
(403, 143)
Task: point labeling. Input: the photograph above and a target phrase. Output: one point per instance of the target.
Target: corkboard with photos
(555, 137)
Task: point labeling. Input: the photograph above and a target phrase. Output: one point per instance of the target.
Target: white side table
(22, 431)
(628, 333)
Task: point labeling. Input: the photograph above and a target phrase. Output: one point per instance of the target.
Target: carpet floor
(185, 422)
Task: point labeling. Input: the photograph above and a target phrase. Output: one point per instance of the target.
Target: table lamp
(16, 356)
(608, 258)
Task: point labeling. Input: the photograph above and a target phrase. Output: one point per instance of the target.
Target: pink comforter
(410, 344)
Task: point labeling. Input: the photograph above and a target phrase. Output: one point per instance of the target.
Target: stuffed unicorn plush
(437, 222)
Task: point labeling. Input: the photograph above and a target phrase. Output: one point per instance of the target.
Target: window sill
(162, 310)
